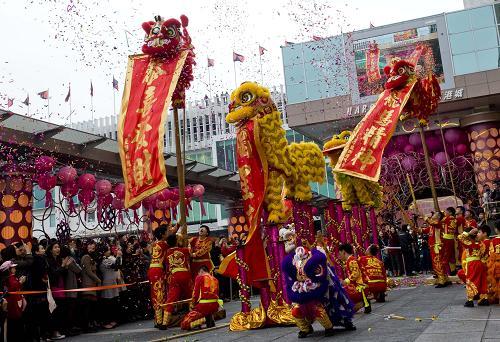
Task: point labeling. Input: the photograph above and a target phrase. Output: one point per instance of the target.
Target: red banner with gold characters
(362, 155)
(372, 66)
(149, 86)
(252, 167)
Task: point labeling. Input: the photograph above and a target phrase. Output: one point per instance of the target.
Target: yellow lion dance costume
(354, 190)
(292, 165)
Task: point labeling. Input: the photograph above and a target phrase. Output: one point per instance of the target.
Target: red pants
(196, 317)
(448, 252)
(476, 283)
(305, 314)
(357, 296)
(377, 288)
(156, 277)
(461, 275)
(439, 267)
(179, 288)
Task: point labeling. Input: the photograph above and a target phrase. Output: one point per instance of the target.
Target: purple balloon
(409, 148)
(453, 135)
(415, 139)
(189, 191)
(461, 149)
(401, 141)
(103, 187)
(434, 143)
(440, 158)
(119, 190)
(408, 163)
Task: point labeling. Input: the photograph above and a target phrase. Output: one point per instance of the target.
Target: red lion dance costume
(156, 276)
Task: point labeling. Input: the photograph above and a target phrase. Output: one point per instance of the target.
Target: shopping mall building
(330, 88)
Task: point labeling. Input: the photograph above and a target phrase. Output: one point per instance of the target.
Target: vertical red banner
(372, 63)
(15, 210)
(150, 83)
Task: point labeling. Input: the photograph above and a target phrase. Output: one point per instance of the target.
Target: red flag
(115, 83)
(261, 50)
(371, 25)
(316, 38)
(91, 89)
(238, 57)
(27, 101)
(69, 94)
(210, 62)
(44, 94)
(10, 102)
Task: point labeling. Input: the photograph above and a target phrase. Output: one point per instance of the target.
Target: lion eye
(401, 71)
(155, 30)
(246, 97)
(347, 137)
(171, 32)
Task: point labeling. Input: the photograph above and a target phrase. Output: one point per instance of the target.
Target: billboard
(371, 55)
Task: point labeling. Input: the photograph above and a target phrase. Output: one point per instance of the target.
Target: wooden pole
(180, 174)
(410, 186)
(448, 163)
(429, 168)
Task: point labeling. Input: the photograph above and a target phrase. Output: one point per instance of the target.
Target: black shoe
(162, 327)
(368, 309)
(440, 286)
(483, 302)
(448, 283)
(381, 298)
(210, 321)
(476, 297)
(469, 304)
(329, 332)
(304, 334)
(349, 326)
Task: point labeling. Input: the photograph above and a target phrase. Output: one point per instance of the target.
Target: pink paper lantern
(118, 203)
(47, 182)
(86, 181)
(174, 195)
(86, 197)
(119, 190)
(461, 149)
(198, 190)
(103, 187)
(44, 164)
(453, 135)
(67, 174)
(408, 163)
(164, 195)
(409, 148)
(415, 139)
(440, 158)
(69, 189)
(188, 191)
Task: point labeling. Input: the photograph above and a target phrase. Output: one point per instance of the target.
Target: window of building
(461, 42)
(481, 17)
(200, 121)
(488, 59)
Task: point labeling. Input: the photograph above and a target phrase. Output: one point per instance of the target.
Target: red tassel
(203, 211)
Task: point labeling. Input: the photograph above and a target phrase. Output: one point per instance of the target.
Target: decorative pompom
(387, 70)
(184, 20)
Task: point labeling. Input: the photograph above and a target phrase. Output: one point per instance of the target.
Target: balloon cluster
(455, 140)
(43, 175)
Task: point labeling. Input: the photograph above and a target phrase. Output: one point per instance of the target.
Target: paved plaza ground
(452, 322)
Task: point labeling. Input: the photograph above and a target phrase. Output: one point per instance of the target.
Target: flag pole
(261, 75)
(209, 83)
(70, 113)
(429, 168)
(114, 101)
(180, 174)
(48, 103)
(92, 101)
(448, 161)
(234, 68)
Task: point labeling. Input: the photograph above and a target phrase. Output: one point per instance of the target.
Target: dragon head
(164, 37)
(249, 100)
(398, 72)
(337, 142)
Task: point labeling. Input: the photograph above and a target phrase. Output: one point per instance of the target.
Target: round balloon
(440, 158)
(408, 163)
(67, 174)
(86, 181)
(409, 148)
(434, 143)
(415, 139)
(453, 135)
(103, 187)
(119, 190)
(461, 149)
(199, 190)
(44, 164)
(164, 195)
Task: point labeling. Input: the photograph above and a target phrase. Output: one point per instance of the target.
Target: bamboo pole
(448, 163)
(412, 193)
(180, 174)
(429, 168)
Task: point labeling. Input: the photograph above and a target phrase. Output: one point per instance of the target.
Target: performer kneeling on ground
(316, 292)
(353, 283)
(475, 271)
(205, 301)
(374, 273)
(179, 277)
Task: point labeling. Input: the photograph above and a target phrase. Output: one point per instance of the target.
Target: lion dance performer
(475, 270)
(494, 267)
(439, 265)
(449, 234)
(200, 247)
(316, 292)
(156, 273)
(204, 302)
(374, 274)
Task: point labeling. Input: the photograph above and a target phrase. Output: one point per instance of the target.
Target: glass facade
(204, 157)
(315, 70)
(195, 214)
(474, 41)
(226, 159)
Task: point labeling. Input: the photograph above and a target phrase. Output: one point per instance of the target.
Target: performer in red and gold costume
(474, 270)
(470, 221)
(493, 276)
(178, 277)
(449, 233)
(439, 266)
(156, 273)
(205, 301)
(374, 274)
(460, 210)
(354, 283)
(200, 248)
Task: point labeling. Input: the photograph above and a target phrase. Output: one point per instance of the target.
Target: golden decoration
(481, 176)
(2, 185)
(281, 314)
(474, 135)
(3, 217)
(495, 163)
(27, 216)
(494, 132)
(234, 220)
(2, 246)
(480, 144)
(23, 232)
(472, 146)
(230, 229)
(167, 213)
(491, 142)
(8, 201)
(484, 165)
(8, 232)
(242, 219)
(16, 216)
(23, 200)
(16, 184)
(491, 175)
(254, 319)
(487, 154)
(238, 228)
(158, 213)
(154, 225)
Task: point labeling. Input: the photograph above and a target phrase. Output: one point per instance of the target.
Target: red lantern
(119, 190)
(86, 182)
(67, 174)
(44, 164)
(103, 187)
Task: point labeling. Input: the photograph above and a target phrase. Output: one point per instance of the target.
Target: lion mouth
(158, 42)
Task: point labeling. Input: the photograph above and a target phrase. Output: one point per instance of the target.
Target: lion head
(249, 100)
